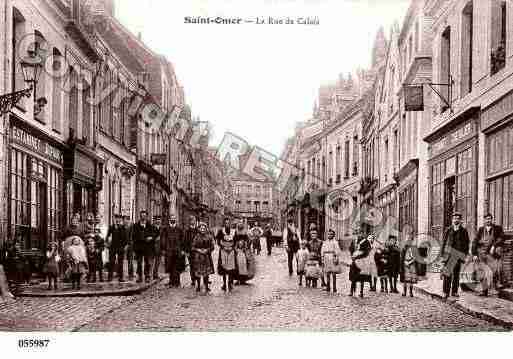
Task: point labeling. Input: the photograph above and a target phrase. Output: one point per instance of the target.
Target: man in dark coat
(190, 233)
(455, 248)
(291, 239)
(118, 241)
(268, 234)
(143, 235)
(486, 249)
(157, 250)
(171, 245)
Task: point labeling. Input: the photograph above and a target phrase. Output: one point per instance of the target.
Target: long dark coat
(172, 242)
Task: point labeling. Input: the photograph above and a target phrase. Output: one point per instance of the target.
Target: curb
(100, 293)
(456, 304)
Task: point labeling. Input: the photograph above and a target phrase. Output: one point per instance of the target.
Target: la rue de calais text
(257, 20)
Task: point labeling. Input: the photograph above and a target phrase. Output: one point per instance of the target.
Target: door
(449, 200)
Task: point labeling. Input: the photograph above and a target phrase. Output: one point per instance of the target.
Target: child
(92, 259)
(393, 256)
(52, 264)
(77, 254)
(330, 254)
(302, 257)
(312, 270)
(381, 265)
(409, 268)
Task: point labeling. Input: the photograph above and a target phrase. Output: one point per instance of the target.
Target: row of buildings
(94, 135)
(426, 131)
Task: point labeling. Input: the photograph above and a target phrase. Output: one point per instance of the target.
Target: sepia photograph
(269, 166)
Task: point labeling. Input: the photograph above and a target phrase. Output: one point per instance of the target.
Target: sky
(257, 81)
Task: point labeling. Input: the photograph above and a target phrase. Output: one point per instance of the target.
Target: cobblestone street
(273, 301)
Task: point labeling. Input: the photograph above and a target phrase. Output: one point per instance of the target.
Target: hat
(118, 215)
(89, 235)
(156, 217)
(457, 214)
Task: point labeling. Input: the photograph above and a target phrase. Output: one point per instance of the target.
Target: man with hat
(171, 242)
(156, 251)
(454, 251)
(291, 239)
(118, 241)
(143, 235)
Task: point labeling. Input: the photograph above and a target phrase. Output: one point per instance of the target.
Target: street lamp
(31, 67)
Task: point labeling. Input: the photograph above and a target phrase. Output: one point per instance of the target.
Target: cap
(157, 217)
(118, 215)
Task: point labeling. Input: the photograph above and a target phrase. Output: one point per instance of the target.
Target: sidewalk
(491, 308)
(88, 289)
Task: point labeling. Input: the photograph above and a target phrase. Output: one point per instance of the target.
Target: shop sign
(498, 111)
(453, 137)
(84, 165)
(413, 98)
(37, 145)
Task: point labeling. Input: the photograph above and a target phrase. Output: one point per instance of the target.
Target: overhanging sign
(414, 98)
(158, 158)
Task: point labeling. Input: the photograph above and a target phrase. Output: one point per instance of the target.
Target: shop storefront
(497, 125)
(83, 173)
(35, 187)
(407, 189)
(453, 173)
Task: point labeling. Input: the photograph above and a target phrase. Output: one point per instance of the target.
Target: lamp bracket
(8, 101)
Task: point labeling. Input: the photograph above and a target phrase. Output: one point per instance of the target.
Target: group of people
(395, 259)
(84, 251)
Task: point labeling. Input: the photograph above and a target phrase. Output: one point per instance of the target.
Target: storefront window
(500, 188)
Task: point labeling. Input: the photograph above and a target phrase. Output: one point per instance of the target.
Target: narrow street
(272, 301)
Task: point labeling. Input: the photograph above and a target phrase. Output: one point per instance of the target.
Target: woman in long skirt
(202, 247)
(226, 264)
(244, 257)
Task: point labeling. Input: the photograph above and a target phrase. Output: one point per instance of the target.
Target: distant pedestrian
(330, 259)
(455, 249)
(268, 234)
(291, 239)
(255, 234)
(172, 242)
(301, 259)
(202, 247)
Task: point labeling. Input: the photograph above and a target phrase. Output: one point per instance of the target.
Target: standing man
(118, 241)
(171, 242)
(156, 250)
(268, 234)
(144, 242)
(455, 248)
(486, 249)
(129, 247)
(291, 239)
(190, 233)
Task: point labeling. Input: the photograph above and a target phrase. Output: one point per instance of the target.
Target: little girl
(330, 254)
(381, 266)
(52, 264)
(313, 270)
(301, 258)
(78, 260)
(409, 268)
